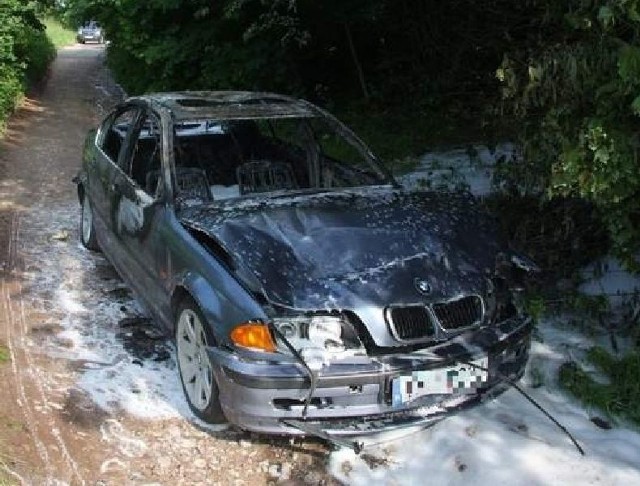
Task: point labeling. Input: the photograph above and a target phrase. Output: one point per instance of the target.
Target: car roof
(229, 105)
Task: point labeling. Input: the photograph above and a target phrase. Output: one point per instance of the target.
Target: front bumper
(355, 398)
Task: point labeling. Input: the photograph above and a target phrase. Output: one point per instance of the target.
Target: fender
(221, 312)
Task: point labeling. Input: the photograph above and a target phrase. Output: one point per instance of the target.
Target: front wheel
(196, 372)
(87, 229)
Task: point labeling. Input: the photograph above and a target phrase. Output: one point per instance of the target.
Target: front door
(108, 159)
(140, 213)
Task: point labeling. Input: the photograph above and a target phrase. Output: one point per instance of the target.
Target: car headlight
(320, 338)
(325, 331)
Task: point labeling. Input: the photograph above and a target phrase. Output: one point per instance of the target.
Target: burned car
(307, 291)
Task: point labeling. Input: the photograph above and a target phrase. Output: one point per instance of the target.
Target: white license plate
(460, 378)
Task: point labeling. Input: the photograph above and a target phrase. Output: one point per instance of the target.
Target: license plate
(460, 378)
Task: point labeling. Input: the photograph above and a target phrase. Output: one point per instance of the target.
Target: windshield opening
(237, 158)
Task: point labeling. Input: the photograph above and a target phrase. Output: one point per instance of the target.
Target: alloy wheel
(195, 368)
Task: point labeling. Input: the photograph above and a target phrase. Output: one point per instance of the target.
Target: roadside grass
(9, 427)
(4, 480)
(57, 33)
(5, 477)
(4, 354)
(619, 396)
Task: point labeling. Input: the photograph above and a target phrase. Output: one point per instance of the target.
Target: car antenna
(531, 400)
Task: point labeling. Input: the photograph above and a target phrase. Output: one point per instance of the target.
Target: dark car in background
(308, 293)
(90, 31)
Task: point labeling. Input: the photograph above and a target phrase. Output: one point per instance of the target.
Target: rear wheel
(87, 229)
(196, 372)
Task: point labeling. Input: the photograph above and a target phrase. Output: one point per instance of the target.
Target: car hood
(353, 249)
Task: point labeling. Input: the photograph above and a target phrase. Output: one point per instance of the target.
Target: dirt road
(89, 390)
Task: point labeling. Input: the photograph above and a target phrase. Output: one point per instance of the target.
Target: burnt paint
(356, 250)
(349, 249)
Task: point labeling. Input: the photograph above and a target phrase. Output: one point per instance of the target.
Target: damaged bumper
(358, 398)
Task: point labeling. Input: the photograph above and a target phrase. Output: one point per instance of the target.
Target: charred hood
(347, 249)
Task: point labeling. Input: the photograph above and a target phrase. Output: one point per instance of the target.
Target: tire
(195, 369)
(87, 228)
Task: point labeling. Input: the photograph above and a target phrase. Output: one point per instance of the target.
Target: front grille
(459, 313)
(411, 322)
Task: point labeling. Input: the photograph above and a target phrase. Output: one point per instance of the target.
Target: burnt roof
(227, 105)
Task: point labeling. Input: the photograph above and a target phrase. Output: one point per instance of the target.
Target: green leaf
(629, 63)
(635, 105)
(606, 16)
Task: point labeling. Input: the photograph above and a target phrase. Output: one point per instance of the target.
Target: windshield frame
(191, 127)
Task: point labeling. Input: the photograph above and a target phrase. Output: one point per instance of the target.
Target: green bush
(10, 88)
(25, 52)
(575, 87)
(36, 51)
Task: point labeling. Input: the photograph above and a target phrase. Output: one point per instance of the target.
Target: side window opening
(146, 165)
(116, 133)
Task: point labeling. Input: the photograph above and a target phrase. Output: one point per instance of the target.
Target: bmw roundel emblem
(422, 286)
